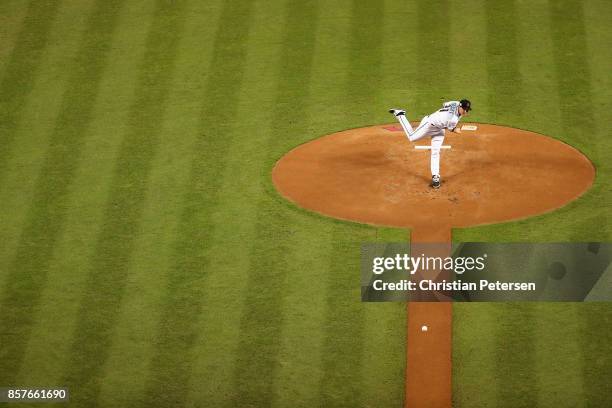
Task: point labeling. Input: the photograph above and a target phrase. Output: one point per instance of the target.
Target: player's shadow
(453, 175)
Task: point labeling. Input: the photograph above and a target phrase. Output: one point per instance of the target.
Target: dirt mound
(375, 175)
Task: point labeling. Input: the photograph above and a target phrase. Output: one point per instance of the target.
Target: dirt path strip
(429, 353)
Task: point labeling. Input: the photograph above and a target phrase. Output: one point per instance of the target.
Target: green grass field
(146, 259)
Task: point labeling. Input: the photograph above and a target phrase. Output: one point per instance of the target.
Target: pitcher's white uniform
(433, 125)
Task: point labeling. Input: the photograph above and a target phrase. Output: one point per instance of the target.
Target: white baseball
(424, 328)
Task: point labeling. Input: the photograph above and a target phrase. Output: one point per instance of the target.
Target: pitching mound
(375, 175)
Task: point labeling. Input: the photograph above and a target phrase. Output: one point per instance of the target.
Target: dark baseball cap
(465, 104)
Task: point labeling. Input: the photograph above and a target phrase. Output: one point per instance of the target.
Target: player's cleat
(397, 112)
(435, 181)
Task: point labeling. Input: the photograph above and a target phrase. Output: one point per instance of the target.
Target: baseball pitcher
(433, 125)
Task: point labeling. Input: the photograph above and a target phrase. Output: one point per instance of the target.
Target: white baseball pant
(425, 129)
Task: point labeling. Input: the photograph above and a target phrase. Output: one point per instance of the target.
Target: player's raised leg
(400, 114)
(423, 129)
(411, 134)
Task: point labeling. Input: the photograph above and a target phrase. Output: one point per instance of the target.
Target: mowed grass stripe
(384, 332)
(300, 359)
(299, 370)
(27, 276)
(21, 90)
(48, 351)
(516, 379)
(573, 74)
(132, 347)
(433, 57)
(558, 364)
(595, 319)
(183, 298)
(474, 354)
(504, 76)
(263, 313)
(515, 349)
(35, 124)
(467, 51)
(21, 70)
(541, 98)
(353, 351)
(12, 14)
(580, 116)
(342, 383)
(595, 339)
(380, 353)
(398, 65)
(595, 335)
(365, 54)
(234, 217)
(327, 94)
(110, 264)
(599, 35)
(344, 340)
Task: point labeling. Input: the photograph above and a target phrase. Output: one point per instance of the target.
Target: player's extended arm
(453, 124)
